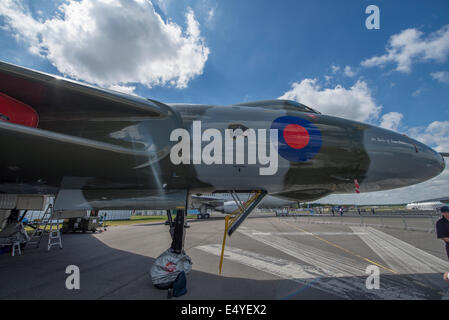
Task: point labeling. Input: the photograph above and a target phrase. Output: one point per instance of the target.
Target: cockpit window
(279, 104)
(300, 106)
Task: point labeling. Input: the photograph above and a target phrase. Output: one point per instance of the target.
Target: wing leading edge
(86, 137)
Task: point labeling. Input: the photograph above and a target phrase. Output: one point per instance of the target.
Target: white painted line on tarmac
(279, 267)
(347, 287)
(297, 233)
(335, 265)
(399, 255)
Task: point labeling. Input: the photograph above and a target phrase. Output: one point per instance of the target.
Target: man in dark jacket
(442, 227)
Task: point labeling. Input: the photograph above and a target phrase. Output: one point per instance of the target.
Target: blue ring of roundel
(292, 154)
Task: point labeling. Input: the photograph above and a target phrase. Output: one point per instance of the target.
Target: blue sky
(231, 51)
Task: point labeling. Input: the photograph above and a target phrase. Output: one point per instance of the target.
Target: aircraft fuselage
(338, 152)
(103, 149)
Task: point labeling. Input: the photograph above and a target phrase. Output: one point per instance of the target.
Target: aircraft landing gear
(178, 235)
(174, 260)
(204, 213)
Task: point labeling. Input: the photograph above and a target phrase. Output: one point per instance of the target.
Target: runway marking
(301, 233)
(311, 276)
(280, 267)
(341, 248)
(334, 265)
(417, 280)
(401, 255)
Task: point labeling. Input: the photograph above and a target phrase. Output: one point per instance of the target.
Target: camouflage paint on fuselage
(378, 159)
(109, 150)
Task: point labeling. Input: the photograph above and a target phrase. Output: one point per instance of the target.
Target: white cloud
(410, 46)
(391, 120)
(211, 14)
(442, 76)
(349, 72)
(355, 103)
(418, 91)
(335, 68)
(112, 42)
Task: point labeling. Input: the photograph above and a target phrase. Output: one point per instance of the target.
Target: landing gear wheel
(174, 261)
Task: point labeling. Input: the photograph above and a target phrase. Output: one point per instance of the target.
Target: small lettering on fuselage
(390, 141)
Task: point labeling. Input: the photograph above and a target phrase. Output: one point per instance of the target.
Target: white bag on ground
(167, 267)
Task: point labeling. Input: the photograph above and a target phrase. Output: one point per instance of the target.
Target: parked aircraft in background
(429, 205)
(224, 202)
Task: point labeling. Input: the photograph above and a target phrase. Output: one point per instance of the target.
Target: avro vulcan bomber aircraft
(98, 149)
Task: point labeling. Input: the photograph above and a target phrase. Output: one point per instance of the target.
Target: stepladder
(54, 235)
(49, 220)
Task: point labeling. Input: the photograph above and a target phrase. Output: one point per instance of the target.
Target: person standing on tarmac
(442, 228)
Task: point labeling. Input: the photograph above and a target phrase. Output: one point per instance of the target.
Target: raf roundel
(299, 140)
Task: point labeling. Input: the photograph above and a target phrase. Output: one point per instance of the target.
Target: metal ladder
(16, 246)
(54, 235)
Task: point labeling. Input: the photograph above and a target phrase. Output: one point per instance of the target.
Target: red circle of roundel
(290, 153)
(296, 136)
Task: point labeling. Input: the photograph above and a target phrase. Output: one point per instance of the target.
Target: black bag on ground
(180, 285)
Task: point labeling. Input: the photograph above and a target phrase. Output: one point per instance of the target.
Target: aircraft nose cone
(435, 159)
(440, 161)
(430, 161)
(397, 160)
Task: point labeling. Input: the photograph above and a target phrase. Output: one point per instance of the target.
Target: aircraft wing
(65, 134)
(198, 200)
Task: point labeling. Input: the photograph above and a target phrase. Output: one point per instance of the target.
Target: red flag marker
(357, 186)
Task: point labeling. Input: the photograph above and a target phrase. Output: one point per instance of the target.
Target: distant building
(115, 214)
